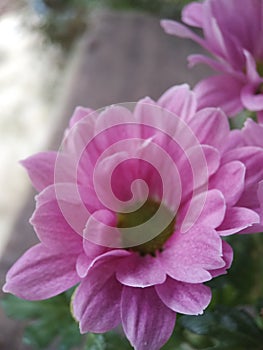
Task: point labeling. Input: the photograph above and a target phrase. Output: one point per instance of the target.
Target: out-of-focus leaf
(48, 321)
(227, 328)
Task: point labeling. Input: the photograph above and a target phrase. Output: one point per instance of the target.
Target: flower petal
(40, 168)
(189, 256)
(147, 322)
(211, 127)
(228, 258)
(220, 91)
(179, 100)
(192, 14)
(251, 99)
(140, 271)
(41, 274)
(79, 113)
(51, 226)
(253, 133)
(96, 302)
(229, 179)
(178, 29)
(186, 298)
(237, 219)
(213, 211)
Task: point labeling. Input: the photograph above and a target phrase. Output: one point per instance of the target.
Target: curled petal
(186, 298)
(40, 168)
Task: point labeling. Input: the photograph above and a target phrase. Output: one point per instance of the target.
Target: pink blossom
(232, 33)
(192, 171)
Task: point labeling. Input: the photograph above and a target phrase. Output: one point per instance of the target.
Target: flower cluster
(135, 205)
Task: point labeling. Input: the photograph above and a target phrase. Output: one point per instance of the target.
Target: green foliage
(162, 8)
(48, 321)
(228, 329)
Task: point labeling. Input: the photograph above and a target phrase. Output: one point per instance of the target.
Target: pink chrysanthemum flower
(133, 208)
(233, 34)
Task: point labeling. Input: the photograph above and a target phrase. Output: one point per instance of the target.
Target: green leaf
(48, 321)
(231, 328)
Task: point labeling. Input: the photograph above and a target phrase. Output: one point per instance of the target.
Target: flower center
(141, 216)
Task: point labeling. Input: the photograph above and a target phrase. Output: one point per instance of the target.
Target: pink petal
(178, 29)
(213, 211)
(147, 322)
(192, 14)
(199, 58)
(51, 226)
(252, 157)
(79, 113)
(101, 229)
(96, 302)
(220, 91)
(250, 99)
(228, 258)
(229, 179)
(260, 198)
(211, 127)
(251, 69)
(179, 100)
(40, 168)
(41, 274)
(253, 133)
(189, 256)
(214, 208)
(140, 271)
(237, 219)
(186, 298)
(234, 140)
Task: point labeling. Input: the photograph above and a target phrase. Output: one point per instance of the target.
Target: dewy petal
(211, 127)
(237, 219)
(186, 298)
(179, 100)
(140, 271)
(40, 168)
(192, 14)
(147, 322)
(96, 302)
(189, 256)
(220, 91)
(41, 274)
(229, 179)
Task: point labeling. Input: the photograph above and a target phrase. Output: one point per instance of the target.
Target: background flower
(232, 33)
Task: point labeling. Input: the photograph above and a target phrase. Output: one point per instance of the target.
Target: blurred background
(38, 42)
